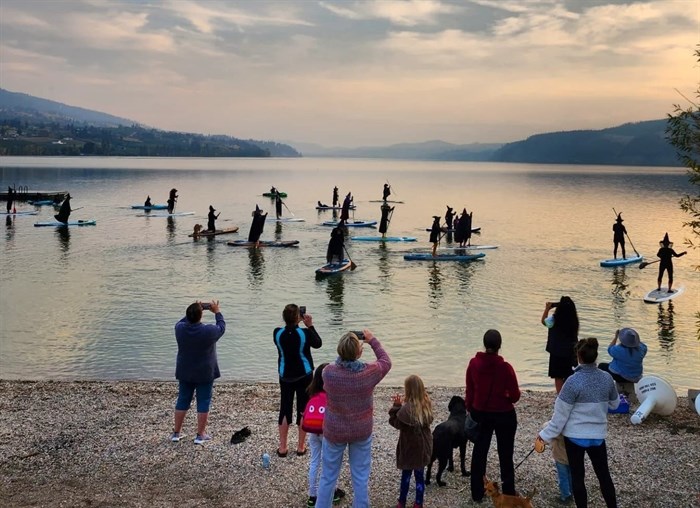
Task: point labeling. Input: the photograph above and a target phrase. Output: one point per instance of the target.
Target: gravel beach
(106, 444)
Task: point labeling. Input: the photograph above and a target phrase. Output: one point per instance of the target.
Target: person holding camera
(562, 335)
(349, 385)
(197, 366)
(295, 367)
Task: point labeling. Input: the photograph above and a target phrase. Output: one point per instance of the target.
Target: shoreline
(105, 443)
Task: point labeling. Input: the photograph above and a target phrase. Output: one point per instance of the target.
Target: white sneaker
(201, 439)
(176, 436)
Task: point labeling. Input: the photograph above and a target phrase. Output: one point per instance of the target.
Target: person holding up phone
(197, 366)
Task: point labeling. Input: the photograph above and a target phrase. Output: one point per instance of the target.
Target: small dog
(197, 229)
(447, 436)
(504, 500)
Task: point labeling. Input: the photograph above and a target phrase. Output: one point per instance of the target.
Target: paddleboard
(620, 261)
(352, 224)
(42, 202)
(264, 243)
(445, 230)
(175, 214)
(382, 201)
(352, 207)
(152, 207)
(225, 231)
(284, 219)
(427, 256)
(656, 296)
(90, 222)
(20, 213)
(380, 239)
(333, 268)
(471, 247)
(271, 195)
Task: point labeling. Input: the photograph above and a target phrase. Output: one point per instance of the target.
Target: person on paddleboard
(666, 255)
(335, 197)
(148, 201)
(211, 225)
(435, 233)
(257, 226)
(64, 212)
(619, 233)
(278, 205)
(336, 244)
(171, 200)
(449, 216)
(345, 212)
(386, 192)
(464, 233)
(10, 198)
(387, 211)
(322, 205)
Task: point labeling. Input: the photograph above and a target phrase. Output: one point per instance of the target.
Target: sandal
(300, 453)
(280, 454)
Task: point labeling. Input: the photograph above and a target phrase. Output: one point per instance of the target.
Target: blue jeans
(186, 392)
(564, 474)
(406, 483)
(315, 444)
(360, 458)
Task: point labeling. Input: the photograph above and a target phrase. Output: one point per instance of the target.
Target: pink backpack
(313, 414)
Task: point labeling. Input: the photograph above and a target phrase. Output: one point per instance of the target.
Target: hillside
(34, 126)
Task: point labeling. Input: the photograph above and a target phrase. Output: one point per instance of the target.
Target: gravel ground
(106, 444)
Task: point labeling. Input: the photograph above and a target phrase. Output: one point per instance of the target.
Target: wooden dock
(27, 195)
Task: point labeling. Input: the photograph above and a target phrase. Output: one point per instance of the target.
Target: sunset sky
(355, 73)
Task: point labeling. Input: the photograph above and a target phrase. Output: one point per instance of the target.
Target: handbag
(471, 428)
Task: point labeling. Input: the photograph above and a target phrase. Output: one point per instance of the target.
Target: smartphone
(360, 335)
(302, 310)
(206, 306)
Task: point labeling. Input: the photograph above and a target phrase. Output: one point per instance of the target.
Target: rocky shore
(106, 444)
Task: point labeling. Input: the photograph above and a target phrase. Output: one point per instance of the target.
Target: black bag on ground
(471, 428)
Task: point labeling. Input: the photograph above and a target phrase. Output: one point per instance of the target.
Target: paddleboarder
(335, 197)
(435, 233)
(171, 200)
(387, 212)
(666, 255)
(334, 254)
(449, 216)
(345, 212)
(211, 225)
(464, 233)
(619, 233)
(257, 226)
(386, 192)
(64, 212)
(148, 201)
(10, 198)
(278, 205)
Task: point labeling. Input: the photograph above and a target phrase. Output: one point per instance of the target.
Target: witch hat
(666, 242)
(619, 217)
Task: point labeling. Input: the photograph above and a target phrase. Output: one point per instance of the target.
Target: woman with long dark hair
(562, 335)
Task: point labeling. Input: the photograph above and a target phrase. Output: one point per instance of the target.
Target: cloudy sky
(357, 72)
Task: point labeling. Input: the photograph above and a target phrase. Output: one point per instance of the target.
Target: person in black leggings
(666, 255)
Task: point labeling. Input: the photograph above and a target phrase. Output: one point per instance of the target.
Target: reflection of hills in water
(667, 336)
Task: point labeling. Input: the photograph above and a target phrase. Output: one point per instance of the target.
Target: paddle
(285, 205)
(392, 189)
(628, 238)
(352, 263)
(647, 263)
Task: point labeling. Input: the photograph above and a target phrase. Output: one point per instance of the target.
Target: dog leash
(526, 456)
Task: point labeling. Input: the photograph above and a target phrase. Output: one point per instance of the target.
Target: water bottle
(265, 461)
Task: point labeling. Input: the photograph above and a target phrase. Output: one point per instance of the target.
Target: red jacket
(491, 384)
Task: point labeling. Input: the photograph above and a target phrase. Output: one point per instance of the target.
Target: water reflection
(335, 289)
(620, 291)
(63, 234)
(257, 267)
(170, 228)
(384, 266)
(10, 233)
(666, 327)
(435, 285)
(278, 231)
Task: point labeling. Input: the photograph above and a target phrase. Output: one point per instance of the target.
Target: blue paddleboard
(333, 268)
(620, 261)
(152, 207)
(352, 224)
(90, 222)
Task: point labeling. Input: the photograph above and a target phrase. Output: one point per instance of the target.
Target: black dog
(447, 436)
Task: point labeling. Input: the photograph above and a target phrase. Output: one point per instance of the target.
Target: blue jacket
(627, 361)
(196, 350)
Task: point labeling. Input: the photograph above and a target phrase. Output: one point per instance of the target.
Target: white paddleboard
(284, 219)
(174, 214)
(658, 296)
(470, 247)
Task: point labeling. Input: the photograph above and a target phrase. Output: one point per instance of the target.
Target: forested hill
(631, 144)
(33, 126)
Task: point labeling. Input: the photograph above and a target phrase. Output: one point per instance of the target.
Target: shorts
(186, 392)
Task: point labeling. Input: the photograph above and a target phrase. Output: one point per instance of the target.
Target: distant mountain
(631, 144)
(33, 126)
(34, 109)
(427, 150)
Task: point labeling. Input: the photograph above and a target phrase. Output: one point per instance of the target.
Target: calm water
(100, 302)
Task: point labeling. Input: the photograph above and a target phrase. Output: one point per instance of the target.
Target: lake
(100, 302)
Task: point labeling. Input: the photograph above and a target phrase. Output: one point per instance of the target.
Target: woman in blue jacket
(628, 355)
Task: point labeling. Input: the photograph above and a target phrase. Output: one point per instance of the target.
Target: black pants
(504, 425)
(599, 460)
(617, 377)
(287, 392)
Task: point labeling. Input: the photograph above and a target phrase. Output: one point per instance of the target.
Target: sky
(357, 72)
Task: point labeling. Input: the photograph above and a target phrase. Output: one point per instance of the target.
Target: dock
(24, 194)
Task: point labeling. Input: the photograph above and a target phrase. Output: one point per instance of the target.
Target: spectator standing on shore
(349, 385)
(627, 356)
(197, 366)
(562, 334)
(412, 417)
(492, 389)
(295, 368)
(581, 415)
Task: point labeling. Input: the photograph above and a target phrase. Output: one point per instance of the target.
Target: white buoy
(656, 395)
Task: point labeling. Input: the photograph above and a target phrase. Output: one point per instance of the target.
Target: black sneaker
(311, 502)
(338, 495)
